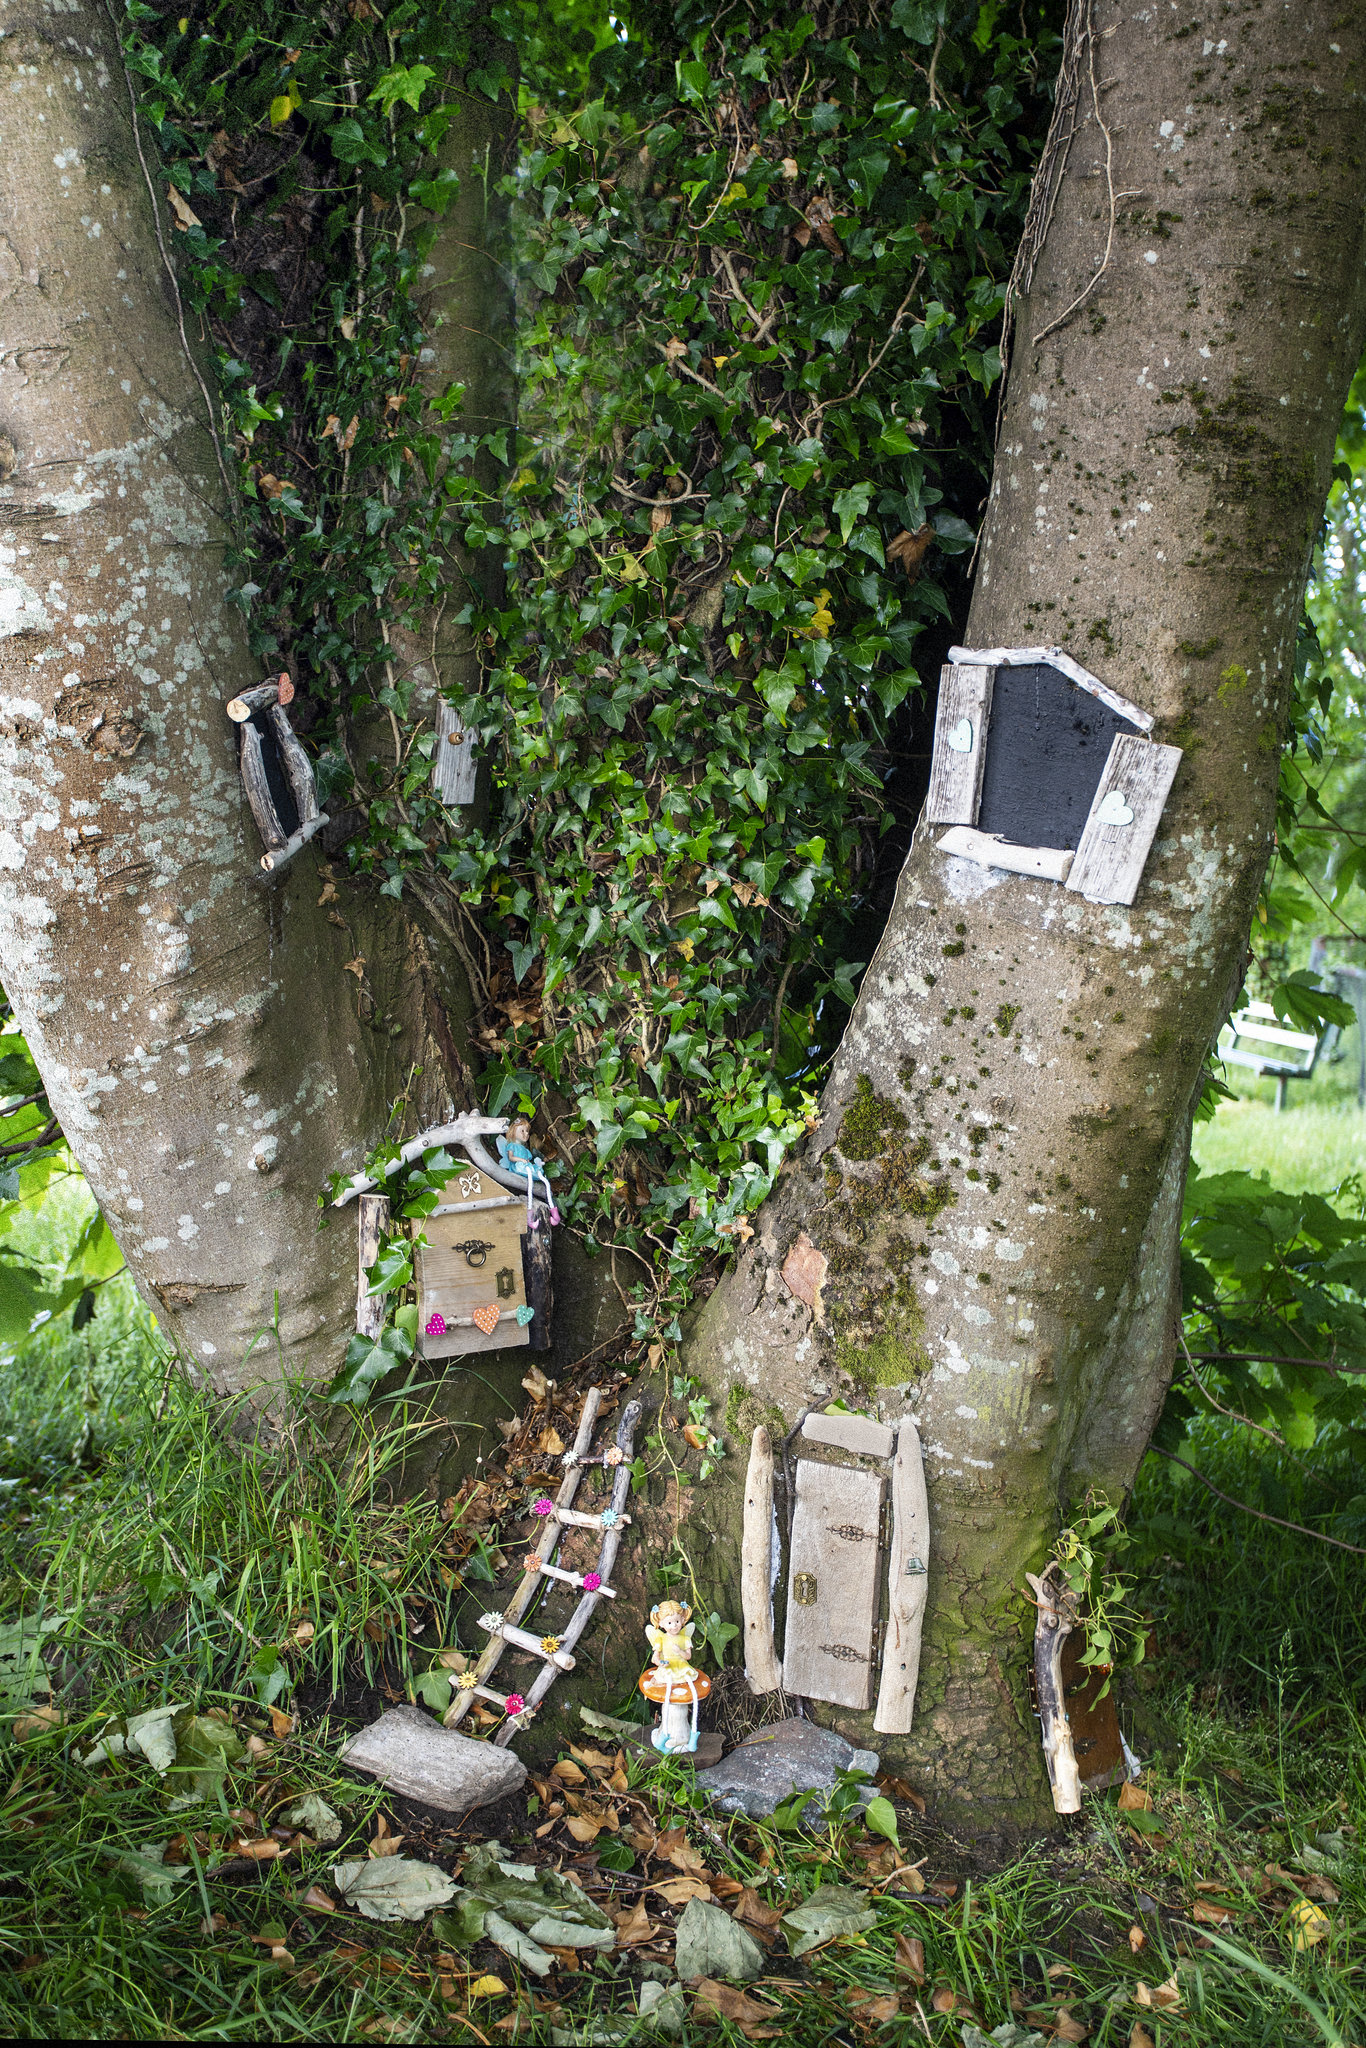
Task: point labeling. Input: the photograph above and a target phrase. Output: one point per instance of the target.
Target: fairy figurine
(670, 1635)
(514, 1149)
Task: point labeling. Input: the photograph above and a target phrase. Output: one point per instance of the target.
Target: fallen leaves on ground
(831, 1912)
(316, 1900)
(910, 1957)
(634, 1927)
(708, 1943)
(384, 1843)
(393, 1888)
(524, 1910)
(1165, 1997)
(749, 1906)
(1137, 1940)
(1139, 2037)
(717, 2001)
(678, 1890)
(674, 1847)
(874, 2006)
(313, 1814)
(1308, 1925)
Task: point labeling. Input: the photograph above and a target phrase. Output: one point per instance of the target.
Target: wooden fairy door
(472, 1272)
(834, 1584)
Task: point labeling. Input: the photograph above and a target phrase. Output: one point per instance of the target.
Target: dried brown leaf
(1065, 2028)
(316, 1900)
(635, 1927)
(1137, 1939)
(568, 1772)
(674, 1847)
(1139, 2037)
(715, 2000)
(874, 2006)
(1165, 1997)
(909, 551)
(910, 1957)
(1134, 1798)
(678, 1890)
(750, 1907)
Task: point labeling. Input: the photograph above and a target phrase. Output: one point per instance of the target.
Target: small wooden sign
(833, 1584)
(483, 1278)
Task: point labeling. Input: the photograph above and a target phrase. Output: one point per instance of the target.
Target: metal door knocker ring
(476, 1250)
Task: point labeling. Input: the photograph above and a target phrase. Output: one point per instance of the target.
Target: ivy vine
(760, 274)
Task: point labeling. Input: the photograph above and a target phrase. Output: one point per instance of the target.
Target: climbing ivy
(761, 271)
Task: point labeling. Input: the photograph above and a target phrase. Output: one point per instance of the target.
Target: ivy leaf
(368, 1359)
(404, 83)
(392, 1269)
(879, 1817)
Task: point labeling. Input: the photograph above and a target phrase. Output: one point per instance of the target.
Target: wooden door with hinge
(834, 1584)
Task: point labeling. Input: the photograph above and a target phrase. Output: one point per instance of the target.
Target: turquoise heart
(525, 1314)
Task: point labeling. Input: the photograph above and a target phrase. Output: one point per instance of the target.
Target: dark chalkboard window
(281, 795)
(1046, 749)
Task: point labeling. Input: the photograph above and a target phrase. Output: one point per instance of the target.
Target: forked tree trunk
(208, 1052)
(994, 1188)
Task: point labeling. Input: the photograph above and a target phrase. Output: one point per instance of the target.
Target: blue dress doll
(518, 1157)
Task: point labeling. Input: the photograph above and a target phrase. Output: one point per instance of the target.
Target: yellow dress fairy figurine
(670, 1637)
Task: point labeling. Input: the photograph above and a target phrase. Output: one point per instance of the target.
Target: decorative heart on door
(1114, 809)
(486, 1319)
(960, 739)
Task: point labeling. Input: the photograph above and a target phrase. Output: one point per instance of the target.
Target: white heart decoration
(1114, 809)
(960, 739)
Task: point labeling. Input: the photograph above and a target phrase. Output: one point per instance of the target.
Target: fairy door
(833, 1584)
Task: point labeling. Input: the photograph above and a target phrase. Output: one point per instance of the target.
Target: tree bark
(993, 1192)
(208, 1052)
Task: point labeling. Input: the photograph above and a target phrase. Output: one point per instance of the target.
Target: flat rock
(413, 1755)
(774, 1762)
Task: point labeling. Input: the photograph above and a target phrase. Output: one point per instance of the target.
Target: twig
(1269, 1358)
(1084, 294)
(1234, 1414)
(1279, 1520)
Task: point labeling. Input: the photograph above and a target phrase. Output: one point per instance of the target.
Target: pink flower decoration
(514, 1703)
(591, 1581)
(436, 1325)
(543, 1507)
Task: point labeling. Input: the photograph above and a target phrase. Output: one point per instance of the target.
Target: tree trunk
(208, 1052)
(993, 1192)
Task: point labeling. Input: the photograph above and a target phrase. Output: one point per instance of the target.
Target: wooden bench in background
(1254, 1038)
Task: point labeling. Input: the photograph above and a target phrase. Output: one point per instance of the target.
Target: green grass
(235, 1563)
(179, 1547)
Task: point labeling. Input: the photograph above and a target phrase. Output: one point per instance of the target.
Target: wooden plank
(538, 1283)
(1051, 863)
(373, 1222)
(1124, 819)
(1030, 657)
(454, 767)
(832, 1588)
(851, 1433)
(1057, 1617)
(756, 1567)
(908, 1586)
(960, 730)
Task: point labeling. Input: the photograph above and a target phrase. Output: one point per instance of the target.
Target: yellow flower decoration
(467, 1681)
(550, 1644)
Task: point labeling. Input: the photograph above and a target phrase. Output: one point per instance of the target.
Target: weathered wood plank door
(458, 1284)
(833, 1584)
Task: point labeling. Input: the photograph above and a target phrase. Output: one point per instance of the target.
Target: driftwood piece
(572, 1519)
(545, 1547)
(257, 791)
(857, 1433)
(278, 857)
(259, 698)
(960, 751)
(295, 762)
(756, 1567)
(468, 1131)
(454, 768)
(1123, 820)
(1057, 1617)
(374, 1221)
(539, 1282)
(607, 1557)
(989, 850)
(832, 1592)
(1032, 657)
(525, 1639)
(907, 1586)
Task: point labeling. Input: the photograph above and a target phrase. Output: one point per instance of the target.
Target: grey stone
(411, 1754)
(786, 1757)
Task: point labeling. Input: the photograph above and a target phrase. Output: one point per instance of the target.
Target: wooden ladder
(613, 1521)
